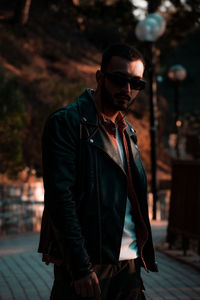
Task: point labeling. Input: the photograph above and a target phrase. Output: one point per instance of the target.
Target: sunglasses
(122, 80)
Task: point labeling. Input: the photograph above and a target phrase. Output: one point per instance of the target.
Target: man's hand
(88, 286)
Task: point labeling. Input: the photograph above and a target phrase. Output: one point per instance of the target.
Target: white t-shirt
(129, 249)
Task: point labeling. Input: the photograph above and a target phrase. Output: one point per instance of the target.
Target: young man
(95, 226)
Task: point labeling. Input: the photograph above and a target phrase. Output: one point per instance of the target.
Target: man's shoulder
(65, 111)
(66, 116)
(63, 122)
(72, 112)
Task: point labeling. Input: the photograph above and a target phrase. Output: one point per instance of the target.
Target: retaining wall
(21, 207)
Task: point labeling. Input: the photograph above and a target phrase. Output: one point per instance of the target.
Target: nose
(127, 87)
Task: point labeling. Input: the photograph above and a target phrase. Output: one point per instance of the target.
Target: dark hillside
(52, 62)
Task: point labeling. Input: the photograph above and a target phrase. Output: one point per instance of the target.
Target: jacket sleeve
(60, 173)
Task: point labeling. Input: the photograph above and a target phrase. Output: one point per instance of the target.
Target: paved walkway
(23, 276)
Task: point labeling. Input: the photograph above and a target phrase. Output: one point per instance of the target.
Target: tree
(105, 22)
(12, 123)
(22, 11)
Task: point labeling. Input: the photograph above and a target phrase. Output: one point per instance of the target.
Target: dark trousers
(117, 282)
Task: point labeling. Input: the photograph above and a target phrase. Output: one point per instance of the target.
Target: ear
(99, 76)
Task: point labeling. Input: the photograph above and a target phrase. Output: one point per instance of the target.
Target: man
(95, 226)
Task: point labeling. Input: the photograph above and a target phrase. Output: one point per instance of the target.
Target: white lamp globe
(177, 73)
(151, 28)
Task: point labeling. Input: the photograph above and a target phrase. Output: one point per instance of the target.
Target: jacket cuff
(80, 273)
(78, 261)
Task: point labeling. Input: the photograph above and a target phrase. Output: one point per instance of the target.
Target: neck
(106, 110)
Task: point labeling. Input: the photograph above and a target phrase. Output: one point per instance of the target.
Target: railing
(184, 213)
(21, 207)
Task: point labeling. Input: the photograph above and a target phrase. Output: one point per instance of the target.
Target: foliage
(39, 110)
(182, 19)
(21, 127)
(107, 22)
(12, 122)
(100, 21)
(63, 94)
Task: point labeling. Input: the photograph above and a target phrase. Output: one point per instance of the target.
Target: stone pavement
(23, 276)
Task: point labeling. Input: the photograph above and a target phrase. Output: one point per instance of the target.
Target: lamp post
(177, 73)
(149, 30)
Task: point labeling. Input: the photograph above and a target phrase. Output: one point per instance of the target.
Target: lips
(123, 97)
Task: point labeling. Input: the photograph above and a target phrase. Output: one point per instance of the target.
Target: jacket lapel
(132, 141)
(96, 134)
(102, 141)
(134, 151)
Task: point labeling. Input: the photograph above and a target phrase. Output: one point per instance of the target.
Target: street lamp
(177, 73)
(149, 30)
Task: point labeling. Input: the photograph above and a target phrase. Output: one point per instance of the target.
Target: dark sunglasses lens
(137, 84)
(121, 81)
(117, 80)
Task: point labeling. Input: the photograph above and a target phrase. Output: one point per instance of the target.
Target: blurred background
(49, 53)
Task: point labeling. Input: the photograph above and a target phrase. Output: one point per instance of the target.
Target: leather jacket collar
(96, 134)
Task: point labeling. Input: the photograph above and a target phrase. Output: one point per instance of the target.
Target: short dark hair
(123, 50)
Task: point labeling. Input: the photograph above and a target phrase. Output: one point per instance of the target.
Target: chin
(123, 105)
(124, 109)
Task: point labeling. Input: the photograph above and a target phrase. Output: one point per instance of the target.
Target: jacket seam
(99, 211)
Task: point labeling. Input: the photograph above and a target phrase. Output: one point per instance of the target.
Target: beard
(117, 102)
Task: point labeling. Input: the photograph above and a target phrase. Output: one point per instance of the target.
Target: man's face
(117, 97)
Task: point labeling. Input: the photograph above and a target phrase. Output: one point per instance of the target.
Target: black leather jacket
(86, 188)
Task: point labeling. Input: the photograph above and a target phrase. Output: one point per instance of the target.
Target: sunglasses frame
(116, 77)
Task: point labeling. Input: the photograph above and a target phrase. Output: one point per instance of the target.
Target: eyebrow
(127, 74)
